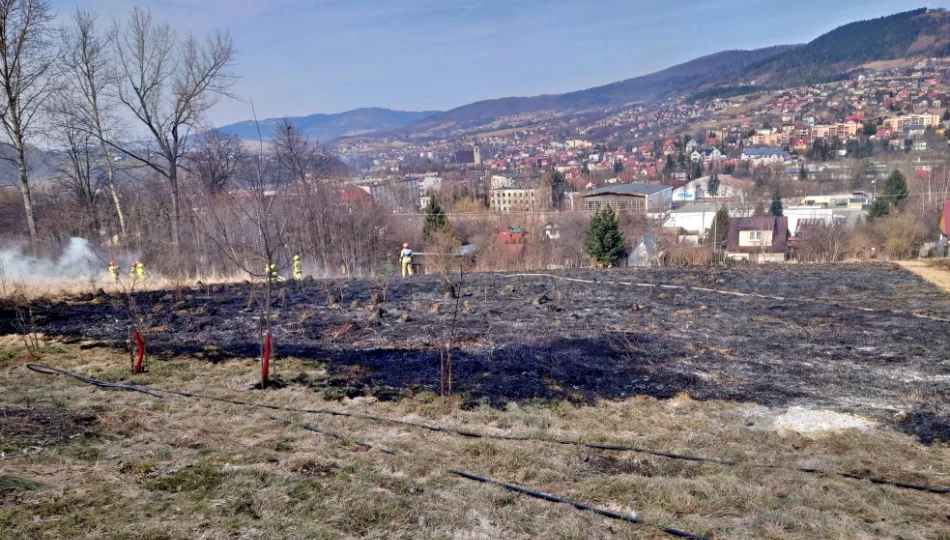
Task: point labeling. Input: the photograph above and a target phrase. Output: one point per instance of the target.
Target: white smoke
(77, 262)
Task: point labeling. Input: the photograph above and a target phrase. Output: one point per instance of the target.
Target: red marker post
(265, 361)
(141, 352)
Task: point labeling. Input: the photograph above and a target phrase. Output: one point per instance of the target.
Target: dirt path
(937, 276)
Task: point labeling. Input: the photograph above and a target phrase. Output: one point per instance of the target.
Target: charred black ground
(529, 338)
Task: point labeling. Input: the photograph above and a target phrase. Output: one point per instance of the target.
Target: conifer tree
(604, 243)
(775, 209)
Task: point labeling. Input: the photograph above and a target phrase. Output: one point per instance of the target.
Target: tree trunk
(173, 184)
(110, 177)
(25, 189)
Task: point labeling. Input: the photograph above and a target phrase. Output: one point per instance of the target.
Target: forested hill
(677, 78)
(918, 33)
(325, 127)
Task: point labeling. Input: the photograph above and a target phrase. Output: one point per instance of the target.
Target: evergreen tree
(879, 208)
(604, 243)
(720, 229)
(435, 223)
(803, 173)
(775, 209)
(695, 171)
(618, 167)
(713, 185)
(895, 189)
(669, 167)
(558, 184)
(869, 129)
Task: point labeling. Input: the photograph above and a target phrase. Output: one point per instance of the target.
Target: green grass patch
(11, 482)
(199, 481)
(8, 356)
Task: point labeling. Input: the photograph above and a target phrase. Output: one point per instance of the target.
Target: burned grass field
(862, 339)
(736, 364)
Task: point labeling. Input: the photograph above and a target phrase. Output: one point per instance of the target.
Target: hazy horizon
(297, 58)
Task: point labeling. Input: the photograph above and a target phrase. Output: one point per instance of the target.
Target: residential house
(708, 155)
(695, 220)
(758, 239)
(765, 155)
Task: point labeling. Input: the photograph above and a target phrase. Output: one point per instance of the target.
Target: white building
(765, 155)
(798, 213)
(729, 188)
(517, 200)
(501, 182)
(697, 219)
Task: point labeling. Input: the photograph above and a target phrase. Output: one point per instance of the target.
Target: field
(752, 364)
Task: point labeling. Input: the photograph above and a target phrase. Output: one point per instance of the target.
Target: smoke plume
(77, 262)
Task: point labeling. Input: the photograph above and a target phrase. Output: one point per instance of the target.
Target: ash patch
(25, 428)
(580, 370)
(927, 426)
(600, 338)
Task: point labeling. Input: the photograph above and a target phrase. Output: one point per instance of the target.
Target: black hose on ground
(630, 518)
(580, 506)
(46, 370)
(334, 435)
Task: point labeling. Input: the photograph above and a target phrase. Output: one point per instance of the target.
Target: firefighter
(405, 257)
(298, 268)
(114, 271)
(133, 274)
(270, 270)
(139, 270)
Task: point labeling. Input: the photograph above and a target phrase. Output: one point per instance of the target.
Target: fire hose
(630, 518)
(156, 392)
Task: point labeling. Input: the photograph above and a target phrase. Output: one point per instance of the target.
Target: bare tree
(250, 225)
(168, 85)
(87, 102)
(215, 161)
(79, 175)
(27, 76)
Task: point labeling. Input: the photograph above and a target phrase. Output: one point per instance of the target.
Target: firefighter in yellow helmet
(114, 271)
(270, 270)
(405, 258)
(298, 268)
(137, 271)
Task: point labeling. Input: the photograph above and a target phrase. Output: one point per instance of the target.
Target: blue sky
(298, 57)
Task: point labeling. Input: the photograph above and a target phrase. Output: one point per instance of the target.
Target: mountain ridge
(329, 126)
(916, 33)
(693, 72)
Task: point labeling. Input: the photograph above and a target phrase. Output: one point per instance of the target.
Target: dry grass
(179, 468)
(18, 289)
(931, 271)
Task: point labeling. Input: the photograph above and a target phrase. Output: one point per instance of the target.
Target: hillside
(918, 33)
(324, 127)
(42, 163)
(676, 78)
